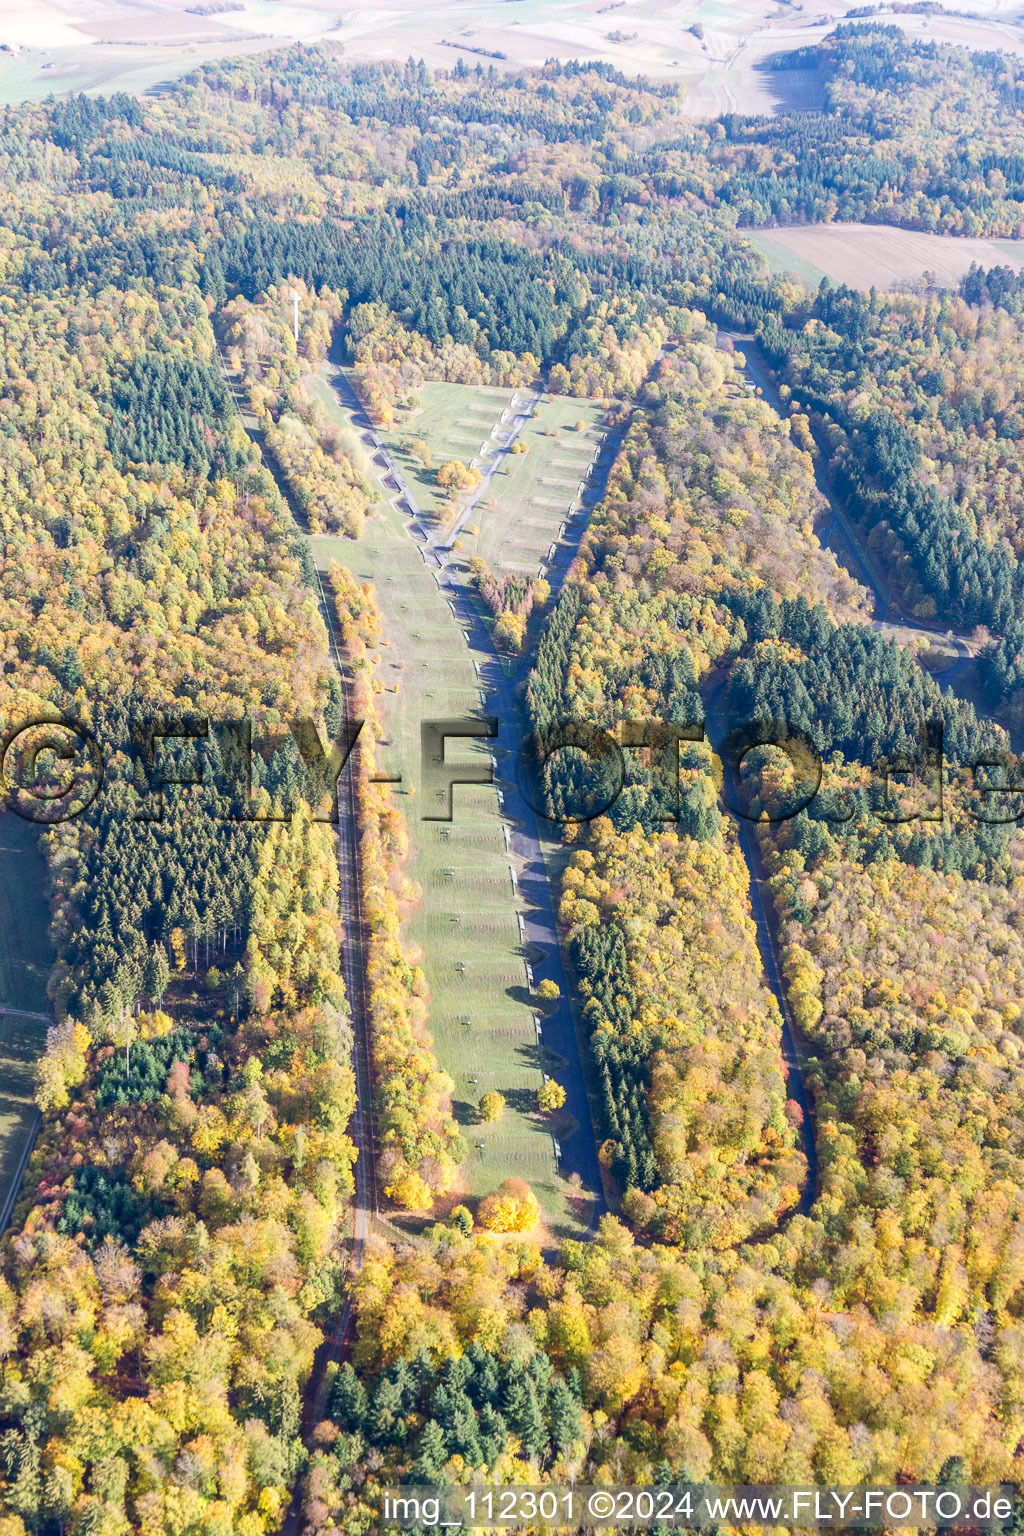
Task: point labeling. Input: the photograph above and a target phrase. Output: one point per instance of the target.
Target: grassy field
(465, 924)
(782, 262)
(530, 496)
(454, 421)
(36, 72)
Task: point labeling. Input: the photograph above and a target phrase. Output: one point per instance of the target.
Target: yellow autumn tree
(513, 1207)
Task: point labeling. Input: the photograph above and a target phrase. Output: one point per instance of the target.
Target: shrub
(461, 1219)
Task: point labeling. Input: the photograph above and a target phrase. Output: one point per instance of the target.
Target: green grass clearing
(1012, 248)
(465, 925)
(529, 498)
(782, 262)
(455, 421)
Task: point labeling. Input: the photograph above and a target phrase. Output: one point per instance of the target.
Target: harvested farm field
(877, 255)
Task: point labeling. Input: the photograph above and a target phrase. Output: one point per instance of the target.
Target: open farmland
(135, 45)
(877, 255)
(532, 493)
(127, 49)
(721, 55)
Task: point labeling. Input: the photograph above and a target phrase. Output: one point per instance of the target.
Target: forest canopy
(806, 1264)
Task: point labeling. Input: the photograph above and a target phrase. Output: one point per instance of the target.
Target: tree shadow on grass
(465, 1113)
(542, 1058)
(522, 1100)
(581, 1206)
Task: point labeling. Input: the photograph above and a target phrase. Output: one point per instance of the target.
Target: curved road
(24, 1013)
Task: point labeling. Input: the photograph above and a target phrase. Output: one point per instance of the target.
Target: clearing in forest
(533, 493)
(22, 1042)
(26, 954)
(454, 421)
(26, 957)
(465, 924)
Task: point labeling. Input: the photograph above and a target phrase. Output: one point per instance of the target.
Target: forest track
(761, 906)
(24, 1013)
(354, 966)
(14, 1190)
(350, 888)
(19, 1173)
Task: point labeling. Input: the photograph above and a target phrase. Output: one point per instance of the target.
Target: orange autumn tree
(512, 1207)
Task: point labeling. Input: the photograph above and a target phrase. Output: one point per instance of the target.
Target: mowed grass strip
(465, 922)
(782, 262)
(530, 496)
